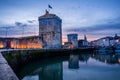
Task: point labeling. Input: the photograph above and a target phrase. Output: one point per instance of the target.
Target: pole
(23, 32)
(6, 31)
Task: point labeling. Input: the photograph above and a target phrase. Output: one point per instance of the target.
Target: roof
(72, 34)
(108, 37)
(27, 37)
(48, 15)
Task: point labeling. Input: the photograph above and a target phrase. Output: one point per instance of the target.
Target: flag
(49, 6)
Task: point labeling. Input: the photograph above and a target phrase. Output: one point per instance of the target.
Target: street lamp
(23, 29)
(6, 28)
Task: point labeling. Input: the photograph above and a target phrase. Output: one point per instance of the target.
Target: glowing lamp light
(119, 60)
(117, 41)
(1, 46)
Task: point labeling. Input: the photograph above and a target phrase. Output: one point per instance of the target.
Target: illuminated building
(1, 44)
(22, 42)
(50, 30)
(67, 45)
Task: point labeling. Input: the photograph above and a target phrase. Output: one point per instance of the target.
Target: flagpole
(49, 7)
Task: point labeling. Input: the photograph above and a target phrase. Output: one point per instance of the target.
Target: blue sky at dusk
(95, 18)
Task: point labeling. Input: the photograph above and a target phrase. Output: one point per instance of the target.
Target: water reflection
(31, 77)
(85, 57)
(107, 58)
(49, 72)
(73, 61)
(75, 67)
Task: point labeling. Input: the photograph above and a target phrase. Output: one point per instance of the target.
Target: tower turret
(50, 30)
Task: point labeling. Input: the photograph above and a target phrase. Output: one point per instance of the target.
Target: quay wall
(19, 58)
(6, 72)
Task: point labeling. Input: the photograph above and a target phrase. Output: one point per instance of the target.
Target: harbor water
(83, 66)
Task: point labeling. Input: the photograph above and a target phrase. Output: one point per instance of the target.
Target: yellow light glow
(119, 60)
(26, 45)
(1, 45)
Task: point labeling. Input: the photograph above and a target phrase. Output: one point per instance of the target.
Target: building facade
(50, 30)
(21, 42)
(107, 41)
(73, 38)
(83, 42)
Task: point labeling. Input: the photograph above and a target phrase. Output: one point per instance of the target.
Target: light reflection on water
(76, 67)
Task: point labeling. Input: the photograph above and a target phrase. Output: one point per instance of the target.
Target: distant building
(73, 38)
(83, 42)
(102, 42)
(107, 41)
(67, 45)
(50, 30)
(116, 40)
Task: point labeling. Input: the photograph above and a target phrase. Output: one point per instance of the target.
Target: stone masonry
(6, 73)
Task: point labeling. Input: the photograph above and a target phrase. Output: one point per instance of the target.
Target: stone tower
(73, 38)
(50, 30)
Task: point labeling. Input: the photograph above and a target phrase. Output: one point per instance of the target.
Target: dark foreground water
(74, 67)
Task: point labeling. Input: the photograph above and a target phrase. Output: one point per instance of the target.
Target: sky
(93, 18)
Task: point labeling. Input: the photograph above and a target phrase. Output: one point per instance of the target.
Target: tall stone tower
(50, 30)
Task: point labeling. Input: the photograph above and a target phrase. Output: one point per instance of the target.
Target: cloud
(20, 24)
(31, 21)
(110, 24)
(18, 28)
(98, 30)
